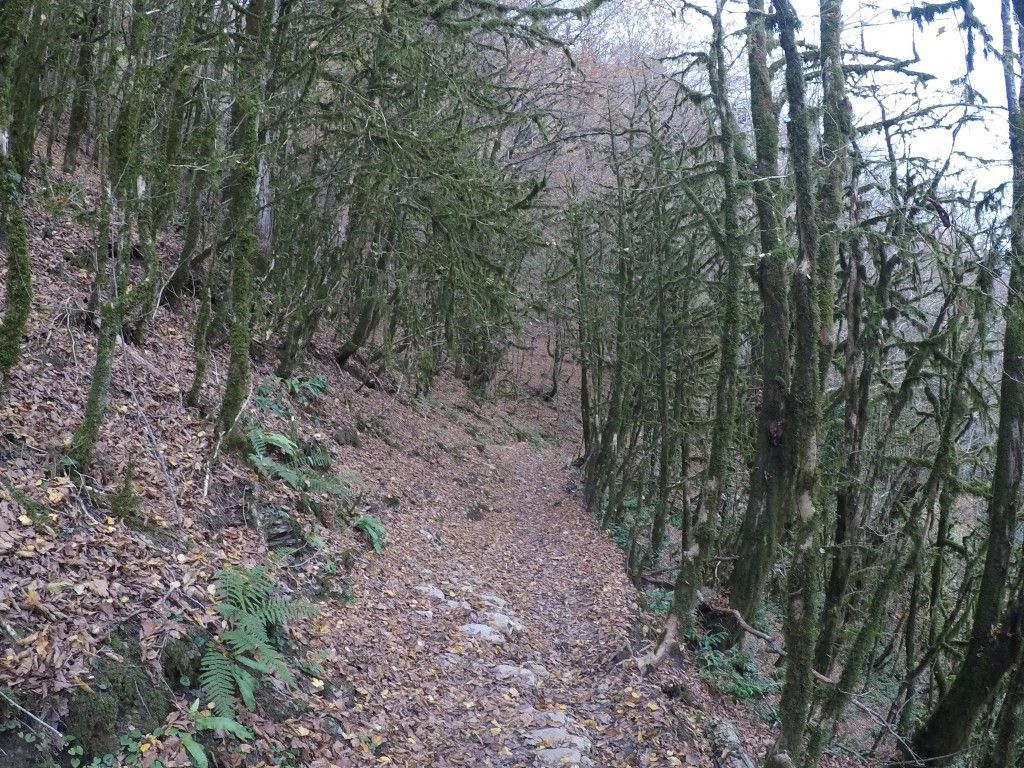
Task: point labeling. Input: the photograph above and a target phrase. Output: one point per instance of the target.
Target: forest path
(499, 529)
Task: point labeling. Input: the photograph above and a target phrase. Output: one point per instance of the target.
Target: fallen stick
(24, 711)
(770, 641)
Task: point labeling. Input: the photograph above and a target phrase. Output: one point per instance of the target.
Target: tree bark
(241, 193)
(995, 641)
(763, 519)
(800, 622)
(13, 235)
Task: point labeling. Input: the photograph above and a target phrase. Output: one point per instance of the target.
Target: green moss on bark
(18, 297)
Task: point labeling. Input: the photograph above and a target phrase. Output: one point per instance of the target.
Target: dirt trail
(498, 528)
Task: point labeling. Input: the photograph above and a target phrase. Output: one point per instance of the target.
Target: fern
(306, 390)
(228, 671)
(319, 458)
(274, 455)
(374, 531)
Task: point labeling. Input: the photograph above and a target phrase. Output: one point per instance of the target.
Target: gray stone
(504, 624)
(557, 737)
(484, 632)
(430, 591)
(493, 600)
(507, 671)
(548, 737)
(448, 606)
(568, 756)
(538, 669)
(582, 743)
(534, 716)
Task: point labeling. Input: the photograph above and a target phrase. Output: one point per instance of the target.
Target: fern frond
(232, 584)
(277, 612)
(249, 606)
(285, 445)
(326, 485)
(319, 458)
(257, 440)
(276, 662)
(242, 640)
(246, 686)
(217, 677)
(374, 531)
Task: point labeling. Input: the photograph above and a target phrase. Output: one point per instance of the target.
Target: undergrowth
(256, 618)
(733, 672)
(374, 531)
(303, 468)
(273, 395)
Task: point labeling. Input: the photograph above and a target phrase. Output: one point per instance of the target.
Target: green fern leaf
(374, 531)
(217, 677)
(283, 444)
(246, 686)
(196, 752)
(226, 724)
(319, 458)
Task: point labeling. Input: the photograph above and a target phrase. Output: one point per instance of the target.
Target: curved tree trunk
(995, 641)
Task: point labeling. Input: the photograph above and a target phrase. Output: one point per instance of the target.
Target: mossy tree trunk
(79, 117)
(763, 520)
(800, 620)
(13, 236)
(26, 88)
(728, 240)
(125, 187)
(241, 194)
(995, 642)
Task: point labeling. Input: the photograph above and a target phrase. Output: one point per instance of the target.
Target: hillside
(110, 594)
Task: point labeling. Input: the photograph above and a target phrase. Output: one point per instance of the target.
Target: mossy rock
(122, 697)
(348, 434)
(16, 753)
(180, 660)
(281, 530)
(92, 721)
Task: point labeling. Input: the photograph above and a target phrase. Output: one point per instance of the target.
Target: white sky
(942, 50)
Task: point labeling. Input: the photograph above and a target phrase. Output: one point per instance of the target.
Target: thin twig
(25, 712)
